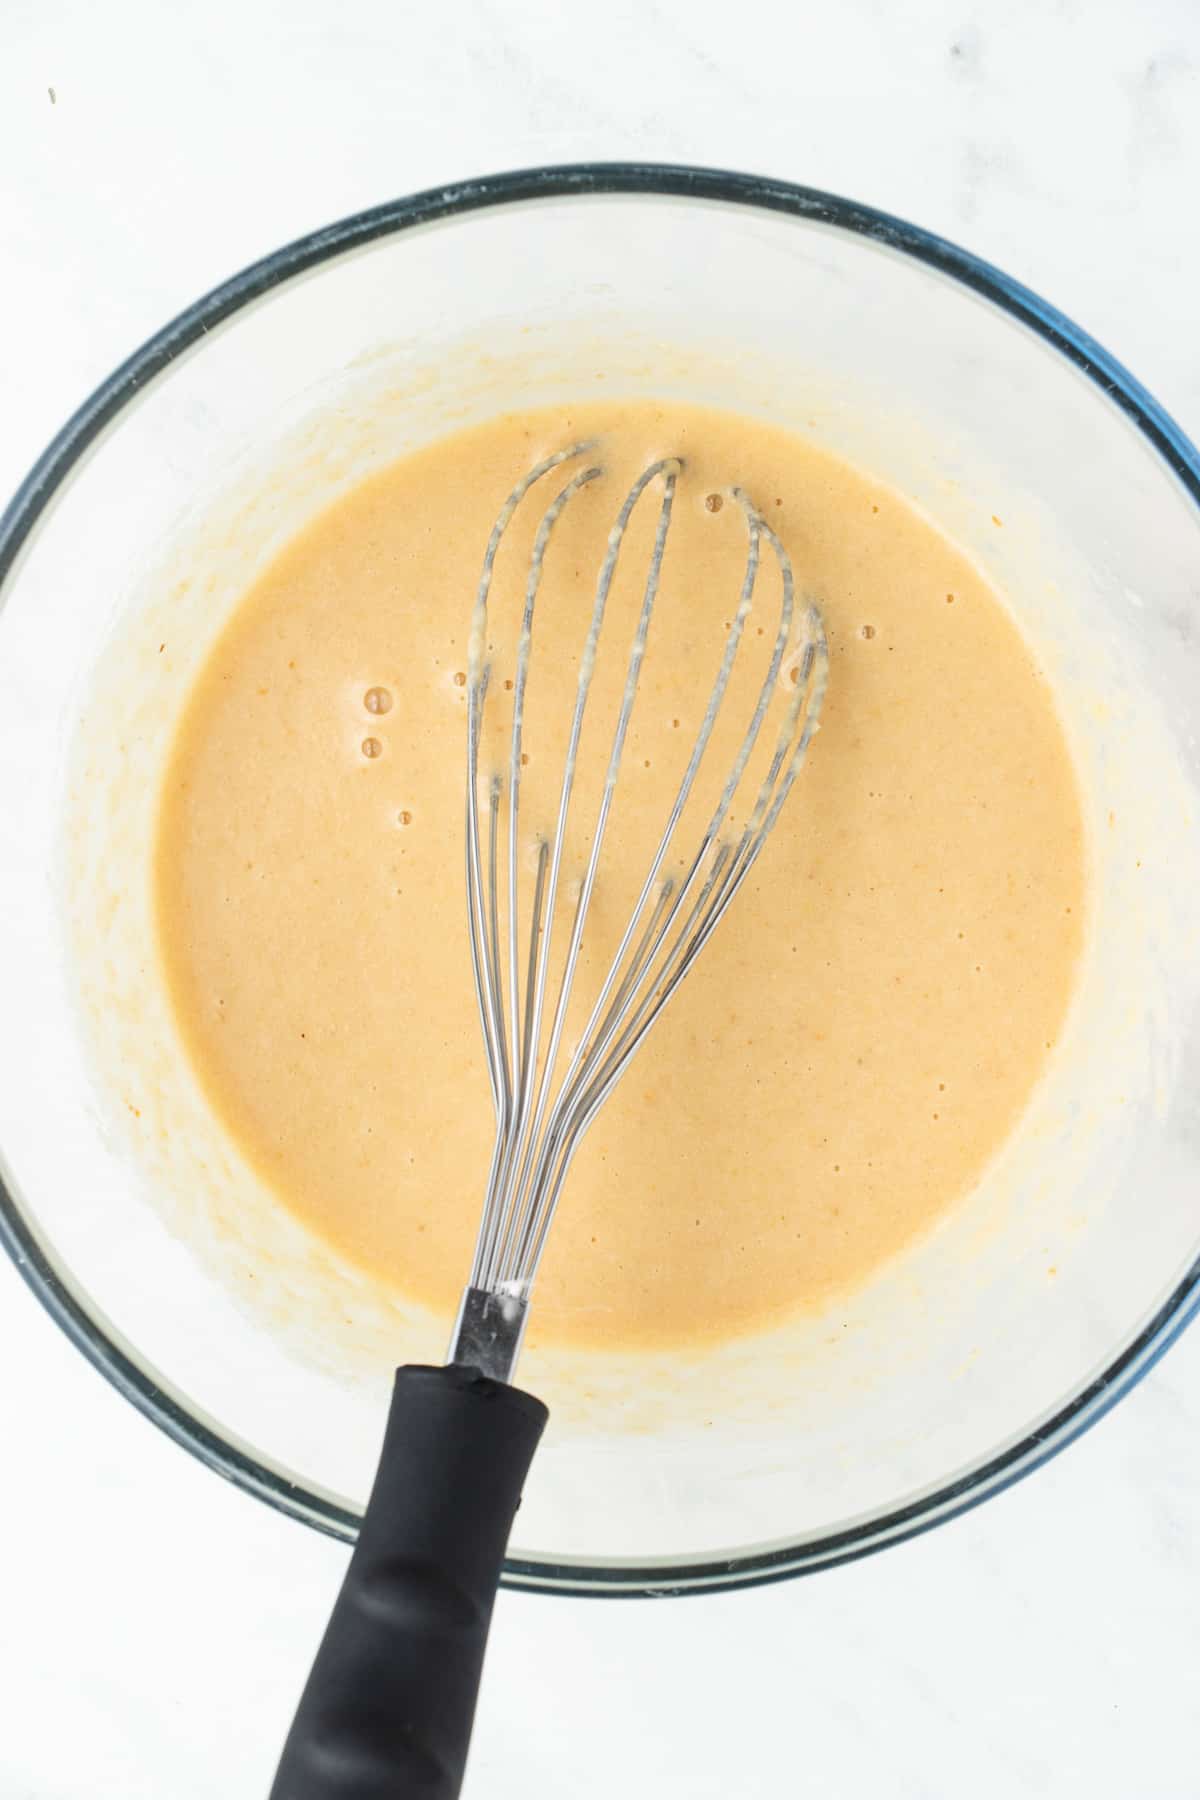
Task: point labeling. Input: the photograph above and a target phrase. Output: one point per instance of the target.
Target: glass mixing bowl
(990, 1344)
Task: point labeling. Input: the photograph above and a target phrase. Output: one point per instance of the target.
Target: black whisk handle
(388, 1707)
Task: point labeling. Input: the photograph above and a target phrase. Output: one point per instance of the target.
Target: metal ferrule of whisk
(543, 1109)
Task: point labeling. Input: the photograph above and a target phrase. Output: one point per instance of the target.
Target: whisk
(389, 1705)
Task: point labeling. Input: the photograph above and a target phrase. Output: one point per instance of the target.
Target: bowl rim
(18, 1236)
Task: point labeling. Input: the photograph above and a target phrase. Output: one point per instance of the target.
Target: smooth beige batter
(863, 1030)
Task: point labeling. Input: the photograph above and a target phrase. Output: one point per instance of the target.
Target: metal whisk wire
(541, 1116)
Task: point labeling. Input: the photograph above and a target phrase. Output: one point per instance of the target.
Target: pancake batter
(868, 1021)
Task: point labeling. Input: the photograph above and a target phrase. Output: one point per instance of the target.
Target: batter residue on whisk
(866, 1025)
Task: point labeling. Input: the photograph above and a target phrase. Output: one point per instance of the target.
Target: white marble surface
(155, 1623)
